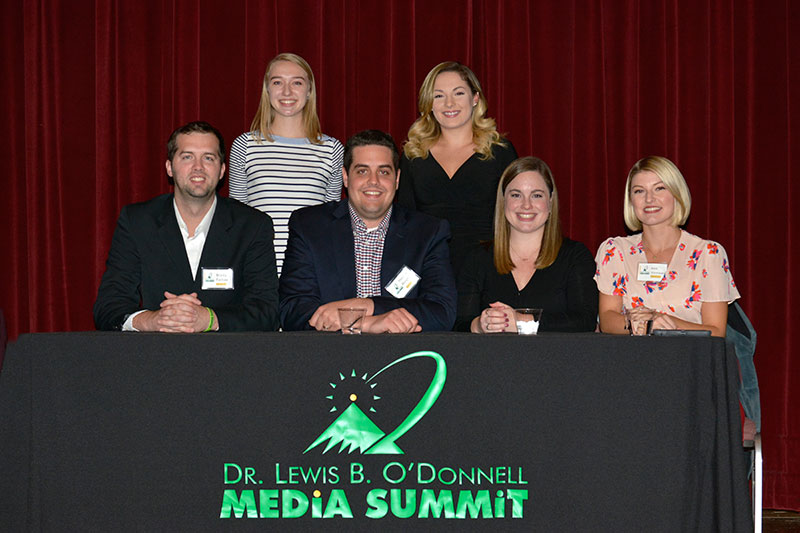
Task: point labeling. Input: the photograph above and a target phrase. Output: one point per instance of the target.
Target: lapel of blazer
(342, 249)
(393, 247)
(172, 241)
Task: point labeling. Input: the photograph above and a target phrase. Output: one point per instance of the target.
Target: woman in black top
(454, 157)
(529, 264)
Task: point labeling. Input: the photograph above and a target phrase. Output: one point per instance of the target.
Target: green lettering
(316, 507)
(278, 480)
(356, 473)
(500, 505)
(377, 504)
(443, 502)
(338, 504)
(228, 481)
(268, 503)
(518, 497)
(397, 504)
(291, 497)
(462, 475)
(432, 470)
(451, 472)
(230, 502)
(481, 503)
(312, 474)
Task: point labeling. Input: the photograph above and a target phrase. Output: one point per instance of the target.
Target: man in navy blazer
(191, 261)
(365, 252)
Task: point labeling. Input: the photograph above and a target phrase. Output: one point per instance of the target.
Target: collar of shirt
(360, 228)
(194, 244)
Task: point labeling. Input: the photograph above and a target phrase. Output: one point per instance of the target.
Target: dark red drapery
(93, 89)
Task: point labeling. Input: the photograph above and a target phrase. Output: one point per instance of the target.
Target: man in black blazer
(366, 252)
(191, 261)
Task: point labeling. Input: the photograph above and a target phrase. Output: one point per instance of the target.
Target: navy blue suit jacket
(320, 265)
(148, 257)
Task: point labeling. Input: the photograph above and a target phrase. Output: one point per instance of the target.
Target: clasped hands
(400, 320)
(179, 313)
(497, 318)
(642, 313)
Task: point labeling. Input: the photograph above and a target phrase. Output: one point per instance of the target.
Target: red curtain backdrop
(93, 89)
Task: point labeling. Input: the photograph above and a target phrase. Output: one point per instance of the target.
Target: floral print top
(698, 272)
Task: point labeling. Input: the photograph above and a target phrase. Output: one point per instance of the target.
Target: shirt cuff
(128, 324)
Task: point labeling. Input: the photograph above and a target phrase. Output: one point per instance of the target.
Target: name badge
(651, 272)
(405, 280)
(217, 279)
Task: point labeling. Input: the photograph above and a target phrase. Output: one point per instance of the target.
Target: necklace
(524, 259)
(662, 256)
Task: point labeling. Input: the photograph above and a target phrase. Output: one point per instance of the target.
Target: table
(557, 432)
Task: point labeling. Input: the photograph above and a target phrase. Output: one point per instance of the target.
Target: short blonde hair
(265, 114)
(551, 242)
(674, 182)
(425, 131)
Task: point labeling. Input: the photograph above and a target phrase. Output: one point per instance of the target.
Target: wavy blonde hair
(672, 179)
(262, 122)
(425, 131)
(552, 239)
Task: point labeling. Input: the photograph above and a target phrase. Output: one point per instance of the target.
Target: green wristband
(210, 320)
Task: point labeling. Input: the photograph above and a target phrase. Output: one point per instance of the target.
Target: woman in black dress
(454, 157)
(529, 264)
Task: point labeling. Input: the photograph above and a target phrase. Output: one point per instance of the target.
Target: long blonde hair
(425, 131)
(552, 239)
(262, 122)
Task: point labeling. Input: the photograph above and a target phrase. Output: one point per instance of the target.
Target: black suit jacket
(148, 257)
(320, 265)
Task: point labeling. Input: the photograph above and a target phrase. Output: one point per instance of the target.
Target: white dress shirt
(193, 244)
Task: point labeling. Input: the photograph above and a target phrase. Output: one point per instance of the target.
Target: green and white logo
(353, 429)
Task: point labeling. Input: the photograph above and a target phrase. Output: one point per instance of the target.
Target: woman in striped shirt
(285, 162)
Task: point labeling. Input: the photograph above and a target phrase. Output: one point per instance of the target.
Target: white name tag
(651, 272)
(217, 279)
(403, 282)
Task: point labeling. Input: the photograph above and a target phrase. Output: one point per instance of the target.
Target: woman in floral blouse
(664, 272)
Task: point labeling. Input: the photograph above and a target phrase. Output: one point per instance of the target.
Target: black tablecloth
(125, 431)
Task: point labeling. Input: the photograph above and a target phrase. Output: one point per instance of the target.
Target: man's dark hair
(194, 127)
(370, 138)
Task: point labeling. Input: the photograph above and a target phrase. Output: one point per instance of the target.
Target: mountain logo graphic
(353, 430)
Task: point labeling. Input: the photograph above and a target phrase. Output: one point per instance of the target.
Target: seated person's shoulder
(243, 214)
(240, 208)
(693, 241)
(628, 243)
(313, 214)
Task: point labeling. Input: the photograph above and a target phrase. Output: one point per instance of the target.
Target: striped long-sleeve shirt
(281, 176)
